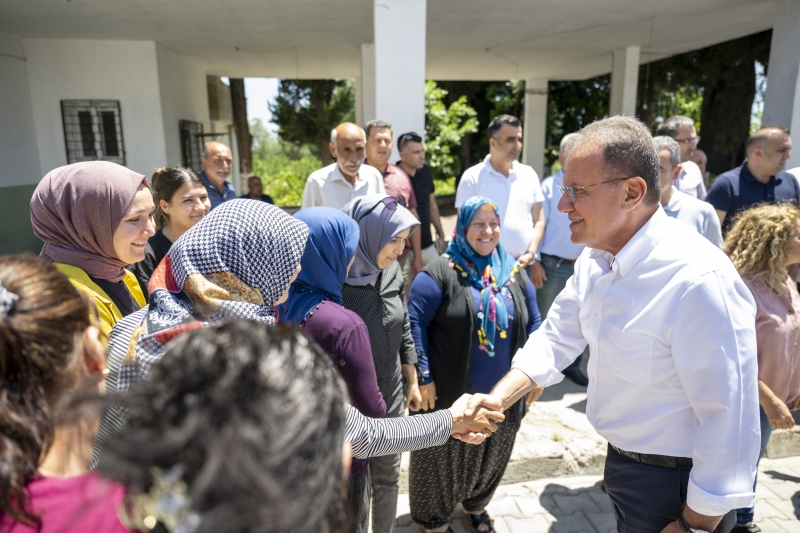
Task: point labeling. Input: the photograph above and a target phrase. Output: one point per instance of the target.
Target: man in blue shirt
(554, 262)
(760, 179)
(217, 162)
(255, 190)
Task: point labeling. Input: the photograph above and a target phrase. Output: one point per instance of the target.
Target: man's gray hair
(670, 126)
(334, 135)
(566, 141)
(662, 142)
(207, 148)
(628, 151)
(377, 124)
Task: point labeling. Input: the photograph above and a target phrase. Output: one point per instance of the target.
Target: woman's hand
(779, 415)
(413, 397)
(428, 393)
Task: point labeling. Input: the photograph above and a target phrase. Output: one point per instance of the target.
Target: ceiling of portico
(466, 39)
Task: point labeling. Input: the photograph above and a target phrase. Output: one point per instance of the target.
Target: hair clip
(7, 300)
(166, 502)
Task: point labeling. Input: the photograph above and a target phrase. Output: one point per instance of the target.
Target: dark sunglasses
(408, 137)
(390, 202)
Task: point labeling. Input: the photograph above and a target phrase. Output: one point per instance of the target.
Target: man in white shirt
(698, 214)
(513, 187)
(555, 261)
(349, 177)
(690, 179)
(671, 329)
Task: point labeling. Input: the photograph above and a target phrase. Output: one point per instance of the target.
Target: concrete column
(782, 99)
(399, 62)
(365, 86)
(624, 79)
(535, 125)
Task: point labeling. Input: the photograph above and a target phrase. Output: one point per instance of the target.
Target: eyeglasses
(691, 140)
(573, 191)
(390, 202)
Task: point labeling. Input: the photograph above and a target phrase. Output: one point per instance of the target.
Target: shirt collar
(390, 169)
(491, 169)
(637, 247)
(225, 184)
(749, 178)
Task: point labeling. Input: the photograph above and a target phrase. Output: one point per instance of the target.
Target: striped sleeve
(112, 419)
(373, 437)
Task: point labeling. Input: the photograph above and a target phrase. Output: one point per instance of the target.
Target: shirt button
(602, 282)
(596, 315)
(341, 362)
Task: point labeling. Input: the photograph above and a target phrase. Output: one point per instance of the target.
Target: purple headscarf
(77, 208)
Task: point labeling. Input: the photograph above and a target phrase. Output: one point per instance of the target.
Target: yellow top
(107, 312)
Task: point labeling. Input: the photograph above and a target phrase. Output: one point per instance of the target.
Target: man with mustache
(217, 162)
(513, 187)
(347, 178)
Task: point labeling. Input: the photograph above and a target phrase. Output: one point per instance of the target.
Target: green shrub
(284, 178)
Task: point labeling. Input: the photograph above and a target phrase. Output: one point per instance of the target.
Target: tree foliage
(445, 127)
(306, 111)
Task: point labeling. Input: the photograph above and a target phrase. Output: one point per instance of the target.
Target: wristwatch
(688, 529)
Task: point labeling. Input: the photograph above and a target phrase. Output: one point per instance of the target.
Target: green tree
(445, 127)
(307, 110)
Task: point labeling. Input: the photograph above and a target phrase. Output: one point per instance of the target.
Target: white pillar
(365, 86)
(533, 134)
(399, 62)
(624, 79)
(782, 99)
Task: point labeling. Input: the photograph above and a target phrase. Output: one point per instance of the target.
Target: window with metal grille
(191, 144)
(93, 130)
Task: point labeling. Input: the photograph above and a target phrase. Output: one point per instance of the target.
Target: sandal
(477, 520)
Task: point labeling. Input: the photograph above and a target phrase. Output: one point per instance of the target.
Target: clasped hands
(475, 416)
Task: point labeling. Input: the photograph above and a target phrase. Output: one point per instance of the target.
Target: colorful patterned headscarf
(487, 273)
(235, 263)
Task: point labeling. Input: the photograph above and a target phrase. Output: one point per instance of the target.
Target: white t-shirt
(328, 186)
(514, 197)
(698, 214)
(690, 180)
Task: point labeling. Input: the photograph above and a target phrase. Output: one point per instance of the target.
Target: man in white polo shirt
(513, 187)
(698, 214)
(690, 178)
(348, 177)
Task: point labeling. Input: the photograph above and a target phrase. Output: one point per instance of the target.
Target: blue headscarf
(332, 241)
(487, 273)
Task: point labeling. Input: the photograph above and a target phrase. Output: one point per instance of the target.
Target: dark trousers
(358, 491)
(646, 498)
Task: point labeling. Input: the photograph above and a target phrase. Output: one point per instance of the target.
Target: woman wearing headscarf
(95, 219)
(470, 310)
(374, 290)
(315, 303)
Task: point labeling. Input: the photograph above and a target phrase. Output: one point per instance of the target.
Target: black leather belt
(666, 461)
(561, 259)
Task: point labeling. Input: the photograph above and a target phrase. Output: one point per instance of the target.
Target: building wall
(127, 71)
(184, 96)
(20, 170)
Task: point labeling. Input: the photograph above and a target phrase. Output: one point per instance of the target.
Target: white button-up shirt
(328, 186)
(698, 214)
(671, 329)
(557, 235)
(690, 180)
(513, 195)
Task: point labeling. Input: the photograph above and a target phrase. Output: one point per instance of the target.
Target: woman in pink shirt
(50, 352)
(762, 243)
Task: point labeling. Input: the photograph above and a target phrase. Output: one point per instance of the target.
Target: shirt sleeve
(308, 194)
(466, 190)
(408, 352)
(354, 359)
(701, 189)
(720, 195)
(423, 303)
(538, 196)
(555, 345)
(370, 437)
(712, 230)
(722, 389)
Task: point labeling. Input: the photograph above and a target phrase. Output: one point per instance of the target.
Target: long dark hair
(254, 415)
(40, 352)
(166, 181)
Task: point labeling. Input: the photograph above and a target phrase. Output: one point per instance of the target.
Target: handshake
(475, 417)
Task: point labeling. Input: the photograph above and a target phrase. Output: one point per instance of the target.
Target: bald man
(760, 179)
(217, 163)
(348, 177)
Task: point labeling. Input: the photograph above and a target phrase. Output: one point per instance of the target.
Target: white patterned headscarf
(235, 263)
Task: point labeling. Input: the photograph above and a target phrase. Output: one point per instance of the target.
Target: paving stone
(771, 526)
(537, 524)
(573, 523)
(785, 508)
(602, 501)
(500, 525)
(580, 501)
(530, 507)
(503, 507)
(602, 522)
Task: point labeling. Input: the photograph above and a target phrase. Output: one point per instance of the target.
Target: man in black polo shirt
(760, 179)
(412, 161)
